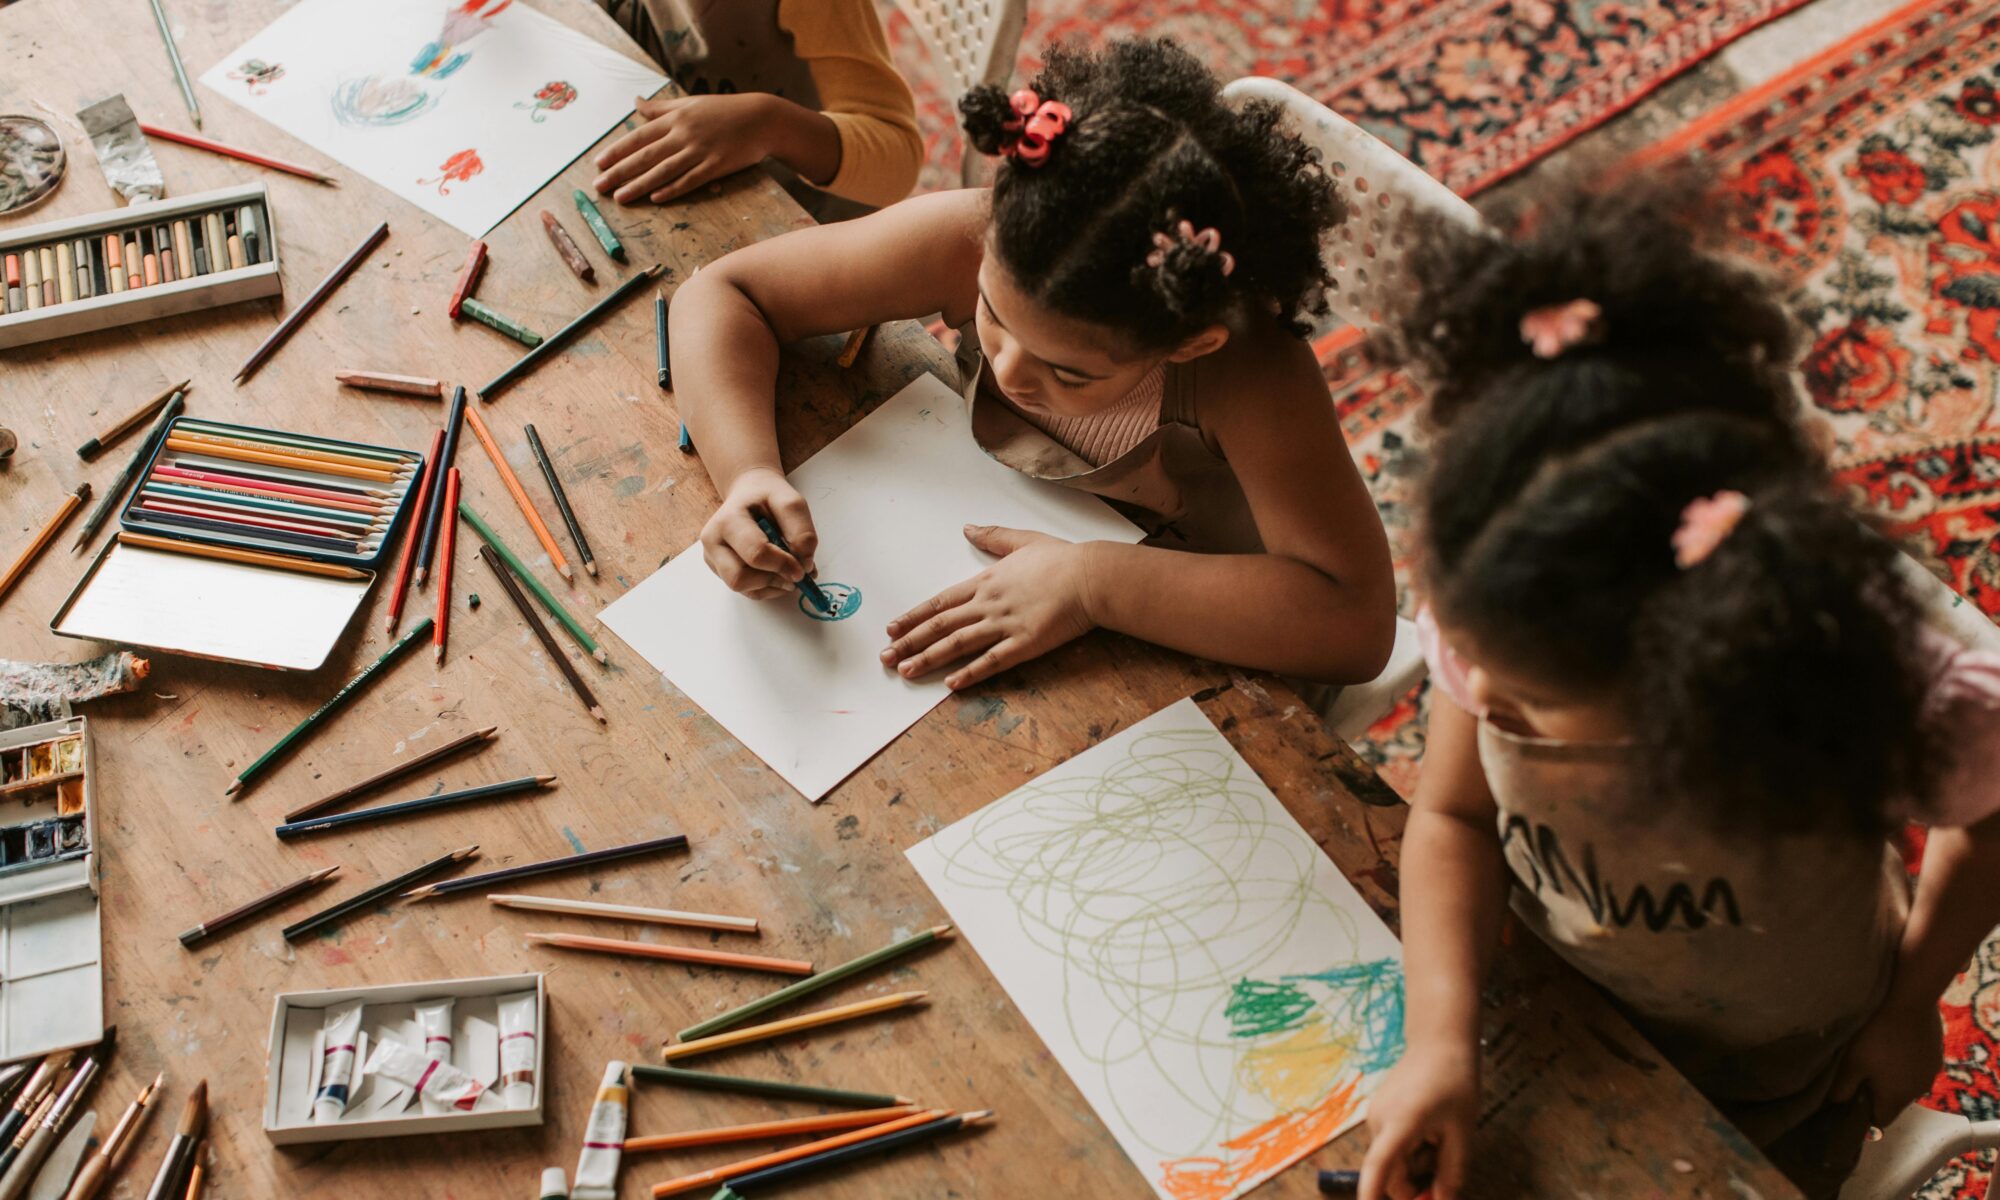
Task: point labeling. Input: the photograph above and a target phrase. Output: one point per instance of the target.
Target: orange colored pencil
(70, 504)
(714, 958)
(526, 505)
(411, 536)
(279, 460)
(269, 447)
(715, 1175)
(444, 564)
(769, 1129)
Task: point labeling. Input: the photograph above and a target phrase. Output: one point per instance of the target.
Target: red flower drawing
(1857, 367)
(1891, 176)
(457, 169)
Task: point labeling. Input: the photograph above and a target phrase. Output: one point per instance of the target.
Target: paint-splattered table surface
(1577, 1104)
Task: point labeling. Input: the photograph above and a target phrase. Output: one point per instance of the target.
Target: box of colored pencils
(158, 259)
(51, 959)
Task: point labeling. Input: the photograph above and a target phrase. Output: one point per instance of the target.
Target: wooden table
(1579, 1105)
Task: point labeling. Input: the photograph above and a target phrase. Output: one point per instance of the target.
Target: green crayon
(507, 325)
(595, 219)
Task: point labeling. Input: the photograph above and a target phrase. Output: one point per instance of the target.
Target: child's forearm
(1957, 904)
(802, 139)
(725, 360)
(1251, 610)
(1454, 897)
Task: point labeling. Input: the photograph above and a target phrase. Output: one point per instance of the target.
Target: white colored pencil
(625, 912)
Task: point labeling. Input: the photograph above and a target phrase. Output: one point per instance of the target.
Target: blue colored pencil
(433, 516)
(807, 588)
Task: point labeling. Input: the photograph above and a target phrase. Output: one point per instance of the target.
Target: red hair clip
(1036, 123)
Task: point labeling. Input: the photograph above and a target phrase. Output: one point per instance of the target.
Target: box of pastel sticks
(158, 259)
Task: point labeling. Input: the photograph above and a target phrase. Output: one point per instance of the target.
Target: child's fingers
(1451, 1154)
(737, 575)
(708, 170)
(950, 598)
(620, 151)
(774, 592)
(794, 519)
(955, 647)
(1384, 1172)
(924, 635)
(999, 658)
(670, 165)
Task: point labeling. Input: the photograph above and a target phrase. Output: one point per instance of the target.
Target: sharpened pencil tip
(599, 714)
(591, 566)
(601, 656)
(982, 1117)
(233, 788)
(323, 872)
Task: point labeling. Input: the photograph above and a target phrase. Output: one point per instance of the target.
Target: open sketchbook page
(463, 107)
(890, 498)
(1208, 978)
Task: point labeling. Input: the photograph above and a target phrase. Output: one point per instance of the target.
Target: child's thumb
(996, 539)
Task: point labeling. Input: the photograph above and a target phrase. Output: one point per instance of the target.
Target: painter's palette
(51, 961)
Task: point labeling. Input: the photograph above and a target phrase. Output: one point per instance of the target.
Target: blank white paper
(890, 498)
(1210, 981)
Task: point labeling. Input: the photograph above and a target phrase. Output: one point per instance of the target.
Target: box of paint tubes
(158, 259)
(455, 1054)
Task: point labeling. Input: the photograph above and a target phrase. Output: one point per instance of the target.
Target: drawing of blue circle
(845, 598)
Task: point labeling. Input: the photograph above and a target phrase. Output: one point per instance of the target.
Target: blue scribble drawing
(845, 598)
(377, 101)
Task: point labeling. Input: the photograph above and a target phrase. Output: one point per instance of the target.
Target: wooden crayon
(594, 218)
(468, 277)
(567, 249)
(493, 320)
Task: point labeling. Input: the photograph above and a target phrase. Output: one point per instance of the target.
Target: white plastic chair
(1914, 1147)
(973, 41)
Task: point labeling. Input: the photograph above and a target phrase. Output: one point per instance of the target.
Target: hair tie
(1553, 329)
(1209, 239)
(1706, 523)
(1035, 124)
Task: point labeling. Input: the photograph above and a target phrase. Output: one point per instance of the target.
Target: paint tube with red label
(425, 1075)
(434, 1019)
(336, 1071)
(517, 1050)
(603, 1139)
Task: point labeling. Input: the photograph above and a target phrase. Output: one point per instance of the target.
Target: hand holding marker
(807, 588)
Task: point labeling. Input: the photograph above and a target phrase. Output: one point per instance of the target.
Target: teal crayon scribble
(1368, 998)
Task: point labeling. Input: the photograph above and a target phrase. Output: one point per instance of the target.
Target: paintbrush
(172, 1179)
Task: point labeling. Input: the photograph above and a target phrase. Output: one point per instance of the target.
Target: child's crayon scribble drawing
(257, 75)
(462, 22)
(1200, 968)
(377, 101)
(552, 96)
(457, 169)
(845, 598)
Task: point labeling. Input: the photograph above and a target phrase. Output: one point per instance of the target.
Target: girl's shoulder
(1259, 373)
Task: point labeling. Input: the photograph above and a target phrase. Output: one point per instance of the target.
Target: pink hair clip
(1706, 523)
(1036, 123)
(1209, 239)
(1553, 329)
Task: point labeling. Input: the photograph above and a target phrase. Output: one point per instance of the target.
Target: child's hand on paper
(1028, 603)
(685, 142)
(739, 553)
(1420, 1124)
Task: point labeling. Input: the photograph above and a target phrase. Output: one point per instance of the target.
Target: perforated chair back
(974, 40)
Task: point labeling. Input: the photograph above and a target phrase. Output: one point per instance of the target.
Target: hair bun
(985, 111)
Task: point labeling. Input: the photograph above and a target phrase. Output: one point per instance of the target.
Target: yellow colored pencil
(769, 1129)
(269, 459)
(811, 1020)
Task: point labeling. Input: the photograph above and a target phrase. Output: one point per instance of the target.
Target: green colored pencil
(493, 320)
(595, 219)
(417, 633)
(812, 983)
(543, 594)
(710, 1081)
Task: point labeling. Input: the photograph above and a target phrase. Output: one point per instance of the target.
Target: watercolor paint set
(137, 263)
(402, 1059)
(51, 959)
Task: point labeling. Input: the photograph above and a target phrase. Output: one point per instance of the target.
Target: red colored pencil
(417, 505)
(444, 563)
(239, 517)
(276, 164)
(189, 477)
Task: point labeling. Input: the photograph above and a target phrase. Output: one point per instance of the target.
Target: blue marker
(807, 588)
(687, 442)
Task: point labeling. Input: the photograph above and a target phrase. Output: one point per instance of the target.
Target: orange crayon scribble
(1262, 1151)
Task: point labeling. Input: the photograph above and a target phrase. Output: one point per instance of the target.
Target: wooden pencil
(687, 954)
(174, 61)
(70, 504)
(768, 1129)
(381, 381)
(247, 519)
(274, 459)
(434, 508)
(440, 628)
(299, 445)
(375, 895)
(191, 467)
(624, 912)
(541, 632)
(805, 987)
(201, 143)
(520, 494)
(561, 497)
(850, 350)
(882, 1142)
(716, 1175)
(534, 585)
(561, 337)
(567, 249)
(255, 558)
(779, 1089)
(477, 738)
(419, 505)
(401, 808)
(468, 277)
(390, 465)
(569, 862)
(811, 1020)
(123, 481)
(333, 703)
(319, 294)
(126, 424)
(250, 908)
(284, 506)
(666, 365)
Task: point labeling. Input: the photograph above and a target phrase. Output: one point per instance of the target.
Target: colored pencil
(126, 424)
(440, 629)
(533, 358)
(477, 738)
(709, 1081)
(493, 319)
(562, 498)
(119, 485)
(660, 339)
(347, 519)
(676, 841)
(201, 143)
(174, 60)
(420, 505)
(520, 494)
(883, 1142)
(686, 443)
(150, 515)
(567, 249)
(806, 987)
(111, 1152)
(378, 381)
(372, 500)
(180, 1151)
(401, 808)
(375, 895)
(599, 229)
(768, 1129)
(221, 506)
(272, 458)
(70, 504)
(850, 350)
(688, 954)
(333, 703)
(806, 586)
(718, 1174)
(811, 1020)
(434, 506)
(358, 491)
(250, 908)
(534, 585)
(541, 632)
(468, 277)
(625, 912)
(390, 465)
(255, 558)
(319, 294)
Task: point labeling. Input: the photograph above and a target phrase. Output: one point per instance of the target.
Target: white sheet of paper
(463, 107)
(890, 498)
(1208, 978)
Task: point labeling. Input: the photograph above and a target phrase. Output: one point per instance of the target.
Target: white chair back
(974, 40)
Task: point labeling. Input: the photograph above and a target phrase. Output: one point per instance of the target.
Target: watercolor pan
(51, 936)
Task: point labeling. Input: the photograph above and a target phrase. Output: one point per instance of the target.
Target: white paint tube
(603, 1139)
(434, 1018)
(425, 1075)
(336, 1072)
(518, 1039)
(555, 1186)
